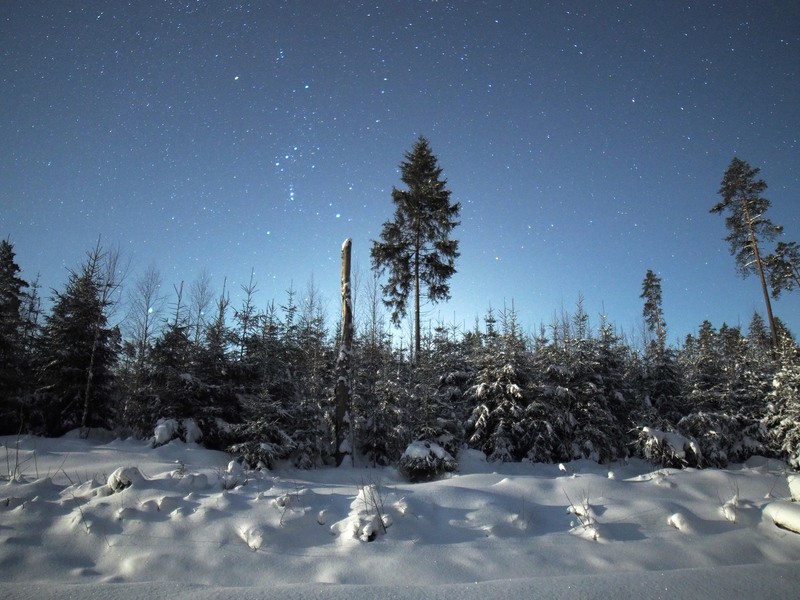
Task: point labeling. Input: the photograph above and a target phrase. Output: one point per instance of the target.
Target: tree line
(260, 382)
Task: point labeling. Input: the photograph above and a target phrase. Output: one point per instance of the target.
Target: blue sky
(585, 141)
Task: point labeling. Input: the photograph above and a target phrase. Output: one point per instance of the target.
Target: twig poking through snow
(585, 516)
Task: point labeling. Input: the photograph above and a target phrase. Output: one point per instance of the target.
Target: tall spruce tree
(12, 342)
(652, 312)
(745, 205)
(660, 376)
(79, 350)
(415, 247)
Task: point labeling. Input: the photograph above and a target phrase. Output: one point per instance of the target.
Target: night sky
(585, 141)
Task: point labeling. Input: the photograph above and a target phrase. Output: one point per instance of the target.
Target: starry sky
(585, 141)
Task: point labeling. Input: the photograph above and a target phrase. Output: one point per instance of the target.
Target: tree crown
(416, 244)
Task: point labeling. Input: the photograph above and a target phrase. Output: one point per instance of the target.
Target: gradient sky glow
(585, 141)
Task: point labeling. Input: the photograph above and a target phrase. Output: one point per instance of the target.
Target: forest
(279, 383)
(260, 382)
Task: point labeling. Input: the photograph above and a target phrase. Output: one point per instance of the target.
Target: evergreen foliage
(78, 354)
(652, 311)
(784, 267)
(424, 460)
(498, 396)
(720, 438)
(265, 435)
(260, 385)
(783, 415)
(13, 354)
(748, 227)
(415, 246)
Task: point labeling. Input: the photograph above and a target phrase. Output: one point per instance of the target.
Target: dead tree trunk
(342, 413)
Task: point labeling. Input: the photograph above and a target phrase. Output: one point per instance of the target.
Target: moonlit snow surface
(489, 531)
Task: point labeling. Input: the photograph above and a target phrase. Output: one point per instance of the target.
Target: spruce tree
(12, 342)
(499, 396)
(415, 247)
(703, 369)
(499, 400)
(79, 351)
(661, 380)
(652, 312)
(783, 416)
(213, 360)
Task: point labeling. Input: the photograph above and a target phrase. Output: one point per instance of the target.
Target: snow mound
(785, 515)
(252, 536)
(124, 477)
(193, 481)
(793, 479)
(368, 517)
(680, 522)
(164, 432)
(234, 475)
(193, 431)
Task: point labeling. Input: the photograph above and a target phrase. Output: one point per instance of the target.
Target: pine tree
(31, 318)
(12, 339)
(415, 246)
(315, 361)
(724, 397)
(742, 198)
(784, 267)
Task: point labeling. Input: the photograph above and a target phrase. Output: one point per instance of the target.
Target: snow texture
(159, 522)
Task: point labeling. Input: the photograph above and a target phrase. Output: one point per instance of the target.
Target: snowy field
(116, 519)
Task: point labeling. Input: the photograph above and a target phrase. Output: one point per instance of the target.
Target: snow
(122, 478)
(794, 485)
(784, 514)
(164, 431)
(677, 443)
(77, 515)
(422, 449)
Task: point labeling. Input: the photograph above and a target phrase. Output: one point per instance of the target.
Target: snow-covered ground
(117, 519)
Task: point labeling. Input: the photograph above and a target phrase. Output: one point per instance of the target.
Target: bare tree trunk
(765, 291)
(87, 393)
(343, 360)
